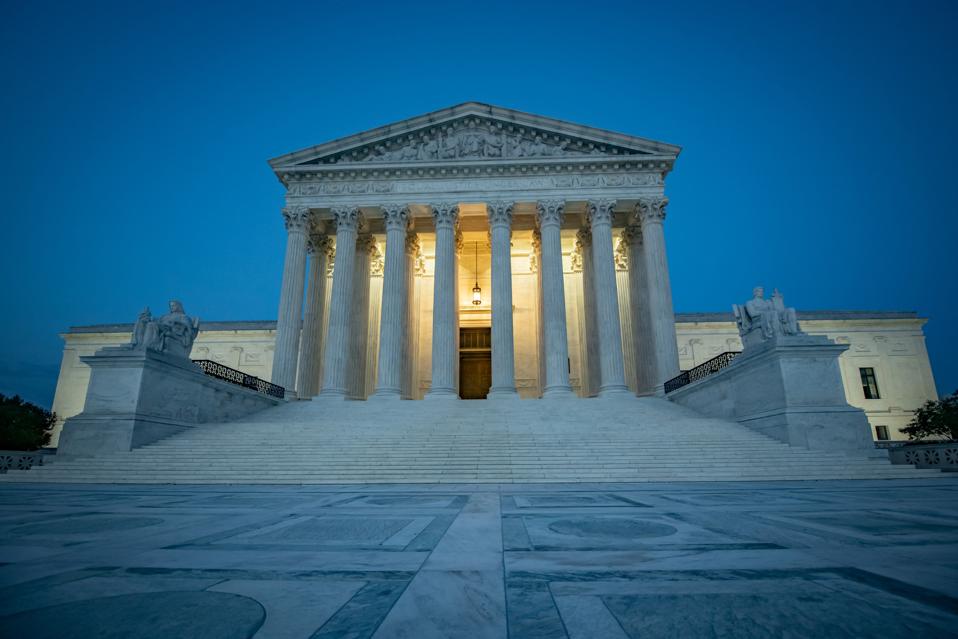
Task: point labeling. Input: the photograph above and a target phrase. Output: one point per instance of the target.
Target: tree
(24, 426)
(935, 419)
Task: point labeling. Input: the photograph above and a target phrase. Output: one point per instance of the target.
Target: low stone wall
(943, 456)
(137, 397)
(20, 459)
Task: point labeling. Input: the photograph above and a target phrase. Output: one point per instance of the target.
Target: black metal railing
(702, 370)
(233, 376)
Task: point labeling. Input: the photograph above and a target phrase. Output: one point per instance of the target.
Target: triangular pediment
(473, 132)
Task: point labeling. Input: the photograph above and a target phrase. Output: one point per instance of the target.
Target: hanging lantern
(476, 291)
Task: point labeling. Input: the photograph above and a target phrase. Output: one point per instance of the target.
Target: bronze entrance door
(475, 362)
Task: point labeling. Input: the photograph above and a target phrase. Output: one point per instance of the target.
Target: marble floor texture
(791, 559)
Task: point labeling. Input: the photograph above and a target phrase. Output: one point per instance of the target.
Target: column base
(332, 394)
(442, 394)
(387, 394)
(558, 392)
(502, 393)
(616, 390)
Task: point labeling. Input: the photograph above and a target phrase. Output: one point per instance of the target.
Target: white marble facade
(563, 228)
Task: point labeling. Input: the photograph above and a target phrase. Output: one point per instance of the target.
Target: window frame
(869, 382)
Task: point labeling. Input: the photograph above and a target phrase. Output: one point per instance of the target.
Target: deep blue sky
(819, 143)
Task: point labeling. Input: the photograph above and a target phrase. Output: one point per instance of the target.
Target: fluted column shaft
(444, 304)
(409, 322)
(289, 316)
(644, 351)
(395, 300)
(503, 344)
(336, 352)
(662, 317)
(591, 383)
(309, 363)
(611, 365)
(359, 329)
(553, 301)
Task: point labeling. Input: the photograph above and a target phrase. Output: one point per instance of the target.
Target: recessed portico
(420, 211)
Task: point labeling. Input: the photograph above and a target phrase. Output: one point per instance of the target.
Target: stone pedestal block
(789, 388)
(136, 397)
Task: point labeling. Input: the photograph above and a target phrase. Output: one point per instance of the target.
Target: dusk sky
(818, 143)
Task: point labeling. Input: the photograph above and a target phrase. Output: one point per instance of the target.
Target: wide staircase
(324, 442)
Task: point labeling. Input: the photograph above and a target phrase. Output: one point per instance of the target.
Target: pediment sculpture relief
(472, 140)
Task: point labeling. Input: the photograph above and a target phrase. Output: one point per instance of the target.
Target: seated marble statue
(760, 319)
(172, 333)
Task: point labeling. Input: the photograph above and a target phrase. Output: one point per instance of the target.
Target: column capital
(367, 242)
(319, 243)
(412, 244)
(550, 212)
(445, 214)
(500, 213)
(632, 235)
(348, 218)
(396, 217)
(296, 218)
(600, 211)
(459, 241)
(651, 209)
(583, 237)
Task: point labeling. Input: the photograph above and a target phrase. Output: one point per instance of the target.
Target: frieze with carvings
(444, 186)
(474, 139)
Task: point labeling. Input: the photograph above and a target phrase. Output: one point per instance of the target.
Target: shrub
(24, 426)
(935, 420)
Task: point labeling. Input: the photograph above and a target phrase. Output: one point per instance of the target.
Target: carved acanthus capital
(651, 209)
(549, 212)
(500, 213)
(412, 244)
(576, 257)
(396, 217)
(536, 251)
(367, 242)
(621, 255)
(632, 235)
(331, 261)
(600, 211)
(459, 241)
(445, 214)
(583, 238)
(296, 218)
(348, 218)
(319, 244)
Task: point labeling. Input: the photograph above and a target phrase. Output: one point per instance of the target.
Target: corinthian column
(395, 300)
(410, 323)
(289, 316)
(639, 311)
(612, 369)
(651, 212)
(553, 301)
(336, 352)
(584, 242)
(444, 304)
(359, 321)
(503, 349)
(319, 248)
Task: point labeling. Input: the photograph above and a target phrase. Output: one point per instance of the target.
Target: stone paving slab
(613, 560)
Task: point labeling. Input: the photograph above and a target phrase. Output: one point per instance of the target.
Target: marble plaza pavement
(800, 559)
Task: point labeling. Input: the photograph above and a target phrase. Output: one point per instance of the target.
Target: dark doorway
(475, 362)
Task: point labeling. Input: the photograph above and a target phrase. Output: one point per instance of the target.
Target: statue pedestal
(136, 397)
(789, 388)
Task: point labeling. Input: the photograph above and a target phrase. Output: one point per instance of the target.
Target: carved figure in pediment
(429, 150)
(449, 146)
(492, 145)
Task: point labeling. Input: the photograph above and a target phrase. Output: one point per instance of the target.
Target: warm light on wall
(476, 291)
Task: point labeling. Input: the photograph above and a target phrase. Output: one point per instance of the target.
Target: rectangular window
(869, 383)
(881, 432)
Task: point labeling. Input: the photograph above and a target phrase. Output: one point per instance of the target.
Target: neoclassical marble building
(451, 180)
(479, 251)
